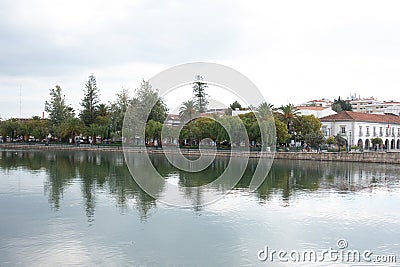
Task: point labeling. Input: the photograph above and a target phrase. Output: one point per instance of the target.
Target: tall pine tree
(90, 102)
(199, 94)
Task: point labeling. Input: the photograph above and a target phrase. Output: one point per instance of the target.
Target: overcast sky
(293, 51)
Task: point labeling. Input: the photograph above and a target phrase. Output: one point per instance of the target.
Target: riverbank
(389, 157)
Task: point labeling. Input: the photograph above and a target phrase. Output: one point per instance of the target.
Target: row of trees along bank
(105, 120)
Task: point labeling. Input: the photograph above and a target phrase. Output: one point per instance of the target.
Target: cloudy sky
(292, 50)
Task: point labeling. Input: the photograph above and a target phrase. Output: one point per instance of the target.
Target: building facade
(384, 107)
(359, 128)
(317, 111)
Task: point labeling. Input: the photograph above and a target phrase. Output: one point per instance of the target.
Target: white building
(317, 111)
(359, 104)
(238, 112)
(384, 107)
(319, 103)
(359, 128)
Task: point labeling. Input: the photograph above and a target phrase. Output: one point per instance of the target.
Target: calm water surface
(84, 208)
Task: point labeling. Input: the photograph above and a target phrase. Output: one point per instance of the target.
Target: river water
(84, 208)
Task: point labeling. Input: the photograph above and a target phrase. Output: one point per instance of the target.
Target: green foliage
(235, 105)
(146, 98)
(287, 114)
(314, 138)
(330, 140)
(341, 105)
(265, 109)
(376, 141)
(153, 130)
(188, 110)
(200, 95)
(71, 127)
(159, 111)
(118, 109)
(9, 128)
(252, 127)
(95, 129)
(57, 108)
(306, 124)
(90, 102)
(282, 134)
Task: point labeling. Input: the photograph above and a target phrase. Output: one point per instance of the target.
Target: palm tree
(187, 111)
(265, 109)
(287, 114)
(71, 128)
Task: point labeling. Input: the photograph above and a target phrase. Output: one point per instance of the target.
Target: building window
(343, 129)
(324, 130)
(380, 131)
(374, 131)
(360, 133)
(367, 131)
(398, 132)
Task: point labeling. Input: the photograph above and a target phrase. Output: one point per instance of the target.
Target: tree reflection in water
(97, 171)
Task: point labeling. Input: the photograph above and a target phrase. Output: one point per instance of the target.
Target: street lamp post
(350, 140)
(295, 144)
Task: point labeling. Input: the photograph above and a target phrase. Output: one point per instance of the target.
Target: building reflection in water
(107, 172)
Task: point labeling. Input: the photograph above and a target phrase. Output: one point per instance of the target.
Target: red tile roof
(311, 108)
(358, 116)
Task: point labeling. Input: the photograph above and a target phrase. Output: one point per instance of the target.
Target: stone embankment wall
(376, 157)
(389, 157)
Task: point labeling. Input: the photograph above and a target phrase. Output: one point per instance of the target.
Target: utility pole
(20, 101)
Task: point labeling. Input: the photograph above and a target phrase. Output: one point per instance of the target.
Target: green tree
(102, 110)
(235, 105)
(187, 110)
(330, 140)
(287, 114)
(95, 129)
(9, 128)
(118, 109)
(90, 102)
(23, 130)
(341, 105)
(251, 124)
(57, 108)
(159, 111)
(306, 124)
(103, 122)
(199, 94)
(147, 97)
(145, 106)
(282, 134)
(153, 131)
(377, 141)
(314, 138)
(265, 109)
(40, 128)
(71, 127)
